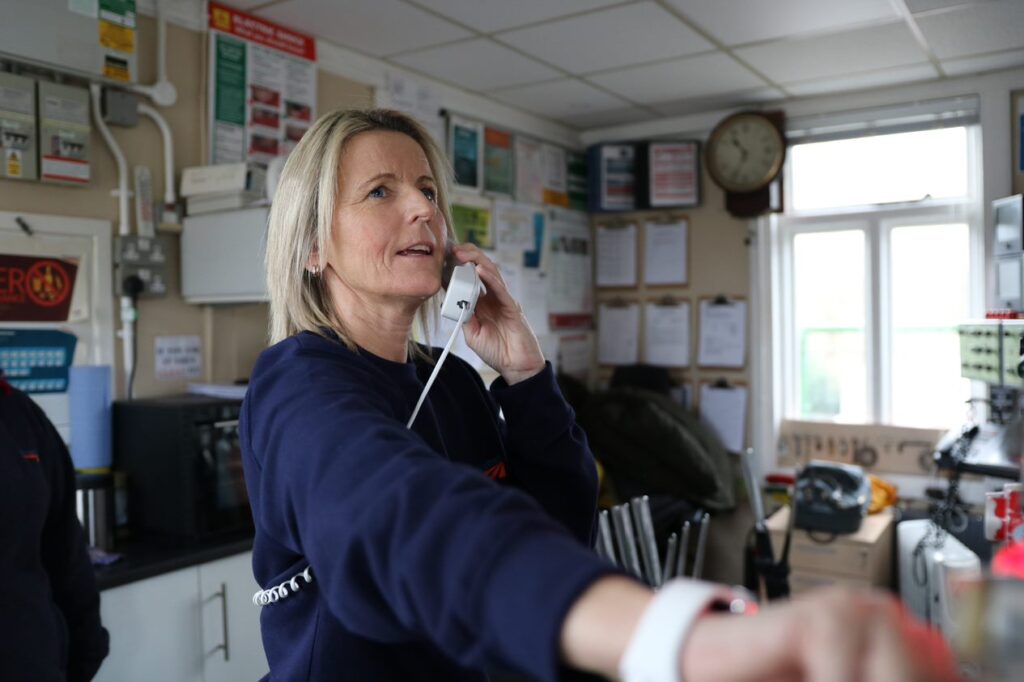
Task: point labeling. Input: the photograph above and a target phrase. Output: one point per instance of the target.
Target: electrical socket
(145, 257)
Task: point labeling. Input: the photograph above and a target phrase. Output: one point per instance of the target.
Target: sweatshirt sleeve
(403, 543)
(548, 452)
(66, 559)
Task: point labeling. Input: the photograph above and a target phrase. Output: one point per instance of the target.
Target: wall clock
(745, 152)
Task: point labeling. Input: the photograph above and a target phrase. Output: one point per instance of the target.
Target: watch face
(745, 152)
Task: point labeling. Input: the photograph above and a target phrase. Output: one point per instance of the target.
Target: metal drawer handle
(222, 594)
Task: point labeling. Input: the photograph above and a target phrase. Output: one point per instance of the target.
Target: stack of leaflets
(223, 187)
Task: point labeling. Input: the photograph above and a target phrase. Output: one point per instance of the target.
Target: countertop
(147, 557)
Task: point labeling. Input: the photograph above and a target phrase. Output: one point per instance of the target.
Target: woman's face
(388, 235)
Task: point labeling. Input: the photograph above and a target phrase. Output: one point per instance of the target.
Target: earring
(316, 270)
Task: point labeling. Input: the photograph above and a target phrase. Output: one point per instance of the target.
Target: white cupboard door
(232, 648)
(154, 630)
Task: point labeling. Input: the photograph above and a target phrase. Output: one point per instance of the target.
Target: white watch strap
(652, 654)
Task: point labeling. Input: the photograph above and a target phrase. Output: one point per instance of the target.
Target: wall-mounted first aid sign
(36, 288)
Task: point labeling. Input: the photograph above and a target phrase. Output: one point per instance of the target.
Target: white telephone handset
(464, 288)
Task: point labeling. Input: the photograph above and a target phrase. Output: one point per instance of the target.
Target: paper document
(567, 263)
(618, 334)
(513, 227)
(574, 353)
(665, 256)
(529, 164)
(723, 334)
(616, 256)
(724, 409)
(533, 296)
(667, 334)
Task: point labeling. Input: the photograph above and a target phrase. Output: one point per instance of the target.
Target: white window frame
(877, 225)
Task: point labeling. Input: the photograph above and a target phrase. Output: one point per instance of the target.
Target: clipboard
(615, 262)
(722, 332)
(723, 406)
(657, 259)
(618, 340)
(668, 344)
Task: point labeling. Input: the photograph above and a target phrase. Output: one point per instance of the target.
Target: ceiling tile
(600, 119)
(875, 79)
(560, 99)
(480, 64)
(851, 52)
(707, 74)
(989, 62)
(730, 100)
(745, 21)
(917, 6)
(376, 27)
(988, 27)
(497, 15)
(609, 39)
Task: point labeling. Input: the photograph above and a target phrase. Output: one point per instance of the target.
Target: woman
(462, 544)
(50, 625)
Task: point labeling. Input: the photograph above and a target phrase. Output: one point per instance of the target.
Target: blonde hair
(303, 212)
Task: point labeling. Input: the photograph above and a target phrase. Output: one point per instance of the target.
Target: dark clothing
(49, 608)
(429, 561)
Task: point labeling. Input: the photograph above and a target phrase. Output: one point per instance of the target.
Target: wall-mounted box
(222, 257)
(19, 159)
(1008, 225)
(63, 134)
(94, 39)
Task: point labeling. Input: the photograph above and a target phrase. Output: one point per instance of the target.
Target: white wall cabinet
(222, 256)
(193, 625)
(231, 641)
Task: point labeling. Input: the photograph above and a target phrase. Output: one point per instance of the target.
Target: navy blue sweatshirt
(49, 607)
(438, 552)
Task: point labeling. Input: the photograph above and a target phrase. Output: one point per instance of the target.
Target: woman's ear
(313, 265)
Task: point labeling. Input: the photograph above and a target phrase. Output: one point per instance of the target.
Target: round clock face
(745, 152)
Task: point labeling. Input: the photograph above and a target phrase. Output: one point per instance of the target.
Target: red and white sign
(254, 29)
(36, 289)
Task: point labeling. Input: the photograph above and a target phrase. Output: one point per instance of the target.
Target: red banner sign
(36, 288)
(230, 20)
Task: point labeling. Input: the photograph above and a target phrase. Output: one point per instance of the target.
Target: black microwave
(183, 461)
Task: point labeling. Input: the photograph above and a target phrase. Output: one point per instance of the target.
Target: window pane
(930, 284)
(880, 169)
(829, 314)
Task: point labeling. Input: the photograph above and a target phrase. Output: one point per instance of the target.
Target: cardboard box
(864, 557)
(800, 581)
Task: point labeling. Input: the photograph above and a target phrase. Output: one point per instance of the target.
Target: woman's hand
(832, 635)
(498, 331)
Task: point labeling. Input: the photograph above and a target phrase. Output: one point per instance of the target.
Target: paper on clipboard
(574, 353)
(616, 256)
(529, 165)
(533, 296)
(667, 334)
(513, 227)
(724, 409)
(665, 256)
(723, 334)
(618, 338)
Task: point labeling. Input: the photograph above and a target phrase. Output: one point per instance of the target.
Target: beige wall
(233, 334)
